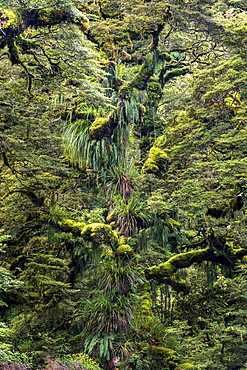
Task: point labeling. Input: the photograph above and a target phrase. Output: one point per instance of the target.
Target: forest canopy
(123, 157)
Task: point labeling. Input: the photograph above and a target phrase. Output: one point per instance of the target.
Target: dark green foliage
(123, 185)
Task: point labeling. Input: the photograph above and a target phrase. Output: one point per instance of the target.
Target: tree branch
(164, 272)
(13, 23)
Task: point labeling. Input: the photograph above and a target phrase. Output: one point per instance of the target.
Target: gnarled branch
(164, 272)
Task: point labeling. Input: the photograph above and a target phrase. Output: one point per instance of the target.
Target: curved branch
(164, 272)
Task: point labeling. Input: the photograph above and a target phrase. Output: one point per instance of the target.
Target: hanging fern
(102, 143)
(76, 141)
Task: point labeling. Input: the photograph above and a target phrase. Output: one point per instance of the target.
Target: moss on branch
(182, 260)
(13, 23)
(100, 128)
(99, 233)
(46, 17)
(174, 73)
(163, 273)
(164, 352)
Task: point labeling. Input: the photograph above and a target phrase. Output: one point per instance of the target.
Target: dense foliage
(123, 157)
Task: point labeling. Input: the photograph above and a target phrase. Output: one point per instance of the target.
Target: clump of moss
(124, 249)
(156, 161)
(49, 16)
(167, 352)
(167, 268)
(52, 16)
(99, 128)
(77, 226)
(141, 78)
(7, 18)
(99, 233)
(184, 259)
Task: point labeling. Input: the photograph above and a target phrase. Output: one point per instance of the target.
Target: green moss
(8, 18)
(124, 249)
(185, 259)
(146, 305)
(186, 365)
(76, 225)
(100, 128)
(175, 72)
(171, 223)
(99, 233)
(156, 161)
(165, 269)
(163, 351)
(141, 79)
(168, 268)
(45, 15)
(50, 16)
(154, 270)
(150, 167)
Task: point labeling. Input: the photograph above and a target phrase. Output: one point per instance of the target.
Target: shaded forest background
(123, 178)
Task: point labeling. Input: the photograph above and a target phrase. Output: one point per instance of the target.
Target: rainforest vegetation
(123, 183)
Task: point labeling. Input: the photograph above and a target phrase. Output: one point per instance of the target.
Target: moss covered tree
(123, 184)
